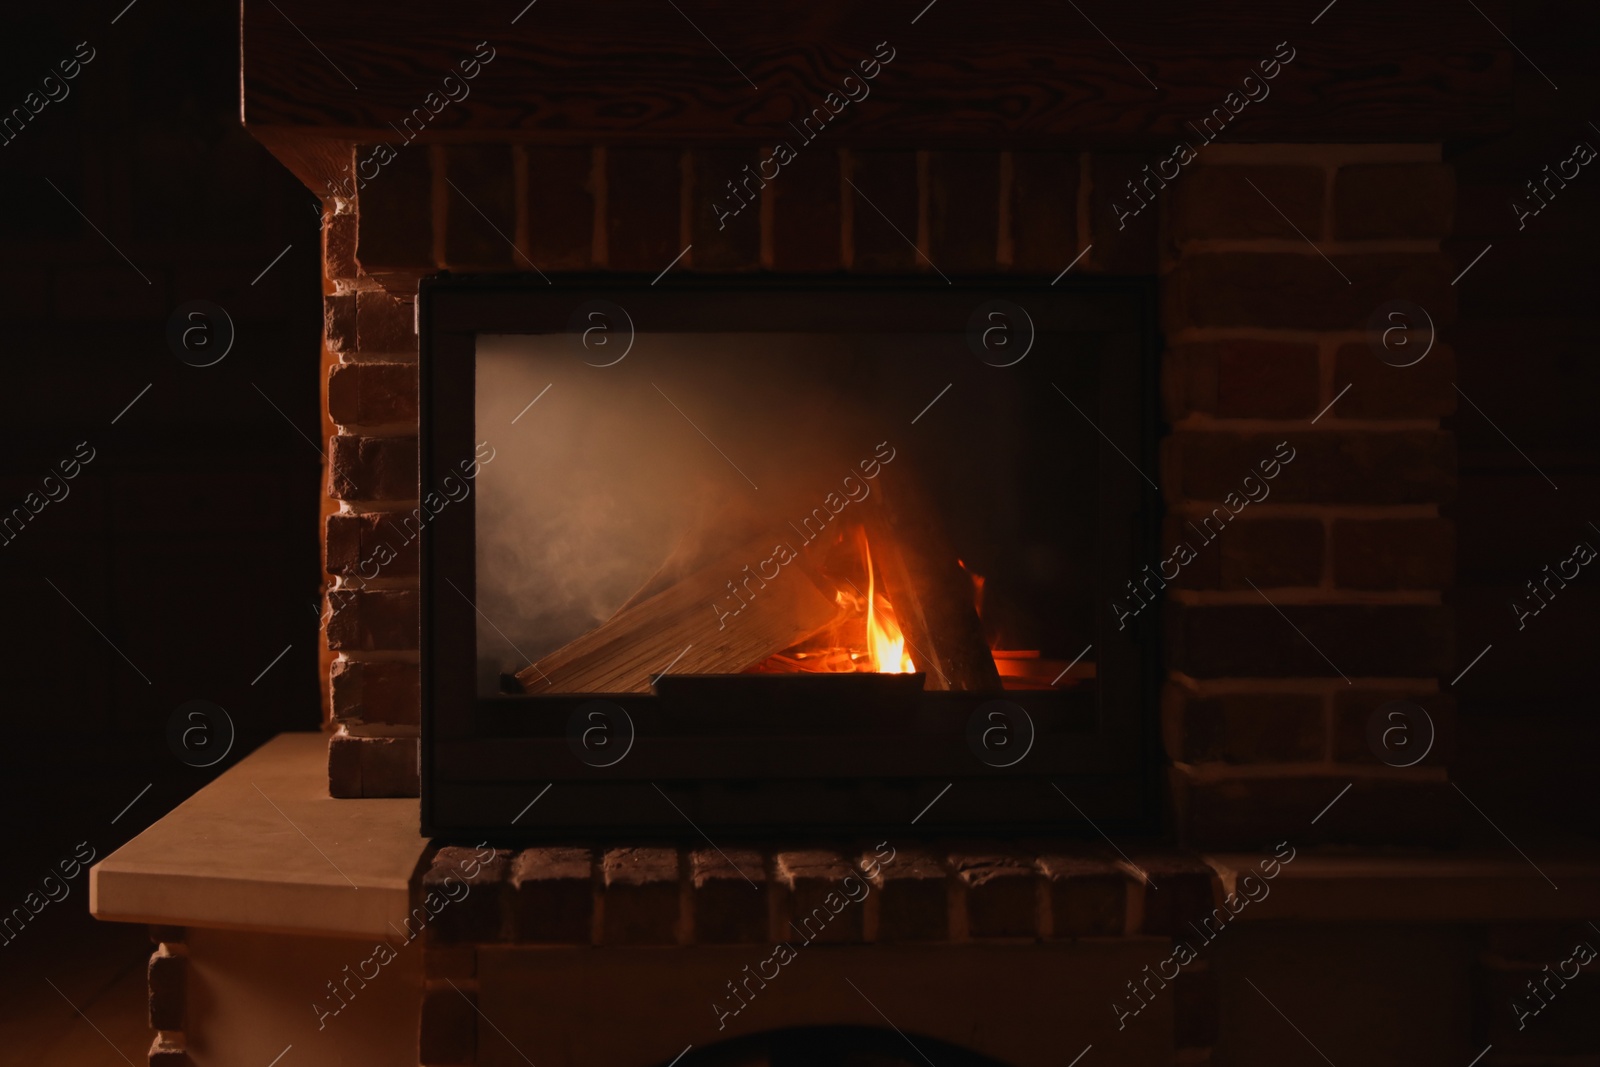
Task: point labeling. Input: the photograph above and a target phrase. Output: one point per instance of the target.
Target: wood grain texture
(1027, 72)
(696, 625)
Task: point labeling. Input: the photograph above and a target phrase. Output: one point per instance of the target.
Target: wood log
(931, 594)
(695, 626)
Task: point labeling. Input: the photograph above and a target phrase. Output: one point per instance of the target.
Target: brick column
(1308, 476)
(371, 619)
(168, 974)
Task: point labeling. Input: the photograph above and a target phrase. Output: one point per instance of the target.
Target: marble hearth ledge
(264, 848)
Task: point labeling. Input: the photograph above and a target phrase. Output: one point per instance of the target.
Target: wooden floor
(99, 967)
(100, 797)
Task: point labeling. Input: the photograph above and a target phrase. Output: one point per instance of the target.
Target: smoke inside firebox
(736, 451)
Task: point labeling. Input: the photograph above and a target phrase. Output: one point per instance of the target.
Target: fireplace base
(284, 918)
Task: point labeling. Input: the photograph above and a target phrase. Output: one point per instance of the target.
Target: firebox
(785, 554)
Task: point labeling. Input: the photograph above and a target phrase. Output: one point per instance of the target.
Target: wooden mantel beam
(1005, 73)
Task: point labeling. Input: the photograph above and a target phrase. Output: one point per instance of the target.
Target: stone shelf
(264, 848)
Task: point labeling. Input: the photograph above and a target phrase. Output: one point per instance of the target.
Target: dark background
(191, 539)
(1525, 345)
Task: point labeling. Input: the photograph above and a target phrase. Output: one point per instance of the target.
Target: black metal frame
(791, 769)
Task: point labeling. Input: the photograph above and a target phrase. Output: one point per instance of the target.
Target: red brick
(1266, 379)
(1121, 245)
(1353, 709)
(884, 209)
(642, 208)
(448, 1034)
(641, 896)
(553, 895)
(1044, 211)
(1425, 390)
(167, 1050)
(1245, 727)
(1394, 553)
(806, 227)
(339, 245)
(1245, 640)
(1179, 890)
(389, 766)
(1001, 892)
(481, 207)
(372, 468)
(726, 236)
(1394, 200)
(1088, 897)
(339, 321)
(1354, 467)
(167, 975)
(1233, 553)
(371, 620)
(396, 212)
(469, 892)
(1303, 292)
(385, 325)
(1218, 201)
(1256, 813)
(913, 898)
(1244, 379)
(372, 766)
(364, 546)
(382, 692)
(561, 207)
(813, 878)
(963, 210)
(344, 766)
(372, 394)
(730, 898)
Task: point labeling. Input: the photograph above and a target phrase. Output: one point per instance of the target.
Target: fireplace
(785, 553)
(896, 534)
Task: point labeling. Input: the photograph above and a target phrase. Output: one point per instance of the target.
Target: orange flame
(866, 636)
(886, 644)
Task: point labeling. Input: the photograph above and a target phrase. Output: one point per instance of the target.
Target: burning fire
(867, 637)
(886, 645)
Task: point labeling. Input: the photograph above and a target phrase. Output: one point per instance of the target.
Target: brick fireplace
(1285, 191)
(1310, 610)
(1264, 319)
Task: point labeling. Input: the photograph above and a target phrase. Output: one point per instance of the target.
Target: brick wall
(1316, 605)
(1324, 600)
(572, 900)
